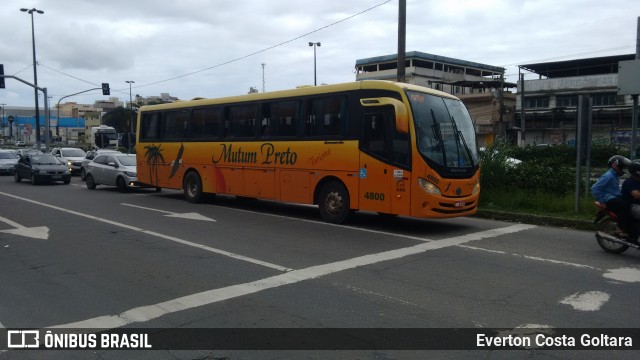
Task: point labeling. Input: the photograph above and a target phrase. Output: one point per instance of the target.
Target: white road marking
(191, 215)
(38, 232)
(153, 233)
(588, 301)
(625, 274)
(150, 312)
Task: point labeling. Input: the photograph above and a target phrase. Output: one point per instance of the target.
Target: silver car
(113, 169)
(8, 161)
(91, 154)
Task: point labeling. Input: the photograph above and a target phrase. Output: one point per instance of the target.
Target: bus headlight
(476, 188)
(429, 187)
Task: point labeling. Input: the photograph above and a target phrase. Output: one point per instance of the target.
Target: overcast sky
(198, 48)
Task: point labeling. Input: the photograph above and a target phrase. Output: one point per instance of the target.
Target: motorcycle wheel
(609, 226)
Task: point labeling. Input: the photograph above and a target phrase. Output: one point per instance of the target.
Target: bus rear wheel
(333, 201)
(192, 187)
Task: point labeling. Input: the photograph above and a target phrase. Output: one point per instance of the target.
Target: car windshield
(127, 160)
(444, 130)
(46, 159)
(73, 153)
(7, 155)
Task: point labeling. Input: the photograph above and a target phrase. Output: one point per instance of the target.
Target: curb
(535, 219)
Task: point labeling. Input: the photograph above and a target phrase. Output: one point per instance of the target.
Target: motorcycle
(606, 227)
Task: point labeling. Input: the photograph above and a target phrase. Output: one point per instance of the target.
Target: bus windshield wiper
(461, 137)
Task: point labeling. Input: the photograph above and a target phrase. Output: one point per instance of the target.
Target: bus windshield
(444, 131)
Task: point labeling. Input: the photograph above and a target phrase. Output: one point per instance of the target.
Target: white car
(72, 157)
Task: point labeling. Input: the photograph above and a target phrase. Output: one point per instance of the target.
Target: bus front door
(376, 172)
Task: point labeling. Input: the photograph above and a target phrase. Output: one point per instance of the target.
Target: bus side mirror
(402, 115)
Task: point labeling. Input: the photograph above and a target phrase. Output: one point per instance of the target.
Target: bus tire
(192, 187)
(333, 201)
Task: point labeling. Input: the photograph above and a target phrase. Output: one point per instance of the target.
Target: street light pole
(315, 74)
(130, 115)
(35, 72)
(2, 120)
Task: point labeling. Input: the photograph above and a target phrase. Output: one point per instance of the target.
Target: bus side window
(205, 123)
(281, 120)
(175, 124)
(242, 121)
(150, 126)
(375, 134)
(324, 116)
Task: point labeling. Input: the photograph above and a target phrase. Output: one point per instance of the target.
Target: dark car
(41, 168)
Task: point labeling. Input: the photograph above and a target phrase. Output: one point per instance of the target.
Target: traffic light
(105, 89)
(2, 76)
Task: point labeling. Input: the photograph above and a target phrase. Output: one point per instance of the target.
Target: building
(481, 87)
(551, 101)
(152, 100)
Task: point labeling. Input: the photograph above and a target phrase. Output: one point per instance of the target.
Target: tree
(120, 119)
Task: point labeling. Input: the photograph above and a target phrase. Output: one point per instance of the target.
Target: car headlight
(429, 187)
(130, 174)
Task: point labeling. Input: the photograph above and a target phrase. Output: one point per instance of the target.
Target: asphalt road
(78, 258)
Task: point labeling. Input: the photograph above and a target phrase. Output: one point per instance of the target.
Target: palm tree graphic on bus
(154, 158)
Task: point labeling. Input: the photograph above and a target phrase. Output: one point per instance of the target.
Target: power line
(268, 48)
(236, 59)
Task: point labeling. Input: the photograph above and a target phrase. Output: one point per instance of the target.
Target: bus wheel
(333, 201)
(192, 186)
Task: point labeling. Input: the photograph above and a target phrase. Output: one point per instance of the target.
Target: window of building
(566, 101)
(603, 99)
(536, 102)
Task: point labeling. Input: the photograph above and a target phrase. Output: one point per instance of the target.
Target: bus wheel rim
(334, 203)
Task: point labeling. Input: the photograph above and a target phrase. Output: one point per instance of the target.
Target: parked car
(90, 155)
(41, 168)
(73, 157)
(8, 161)
(20, 143)
(115, 170)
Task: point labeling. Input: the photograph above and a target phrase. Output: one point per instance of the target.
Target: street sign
(629, 77)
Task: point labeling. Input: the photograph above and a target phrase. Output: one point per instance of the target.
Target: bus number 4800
(374, 196)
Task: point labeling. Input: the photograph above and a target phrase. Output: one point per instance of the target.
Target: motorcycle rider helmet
(634, 168)
(618, 163)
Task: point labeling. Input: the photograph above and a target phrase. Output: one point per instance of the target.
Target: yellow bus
(379, 146)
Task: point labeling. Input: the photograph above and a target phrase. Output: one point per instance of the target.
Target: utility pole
(263, 64)
(402, 35)
(522, 114)
(634, 113)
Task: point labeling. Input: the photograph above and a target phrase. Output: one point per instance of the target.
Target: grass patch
(542, 204)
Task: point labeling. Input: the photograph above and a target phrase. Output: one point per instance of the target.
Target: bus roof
(301, 91)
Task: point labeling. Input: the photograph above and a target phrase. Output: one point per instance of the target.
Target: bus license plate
(459, 204)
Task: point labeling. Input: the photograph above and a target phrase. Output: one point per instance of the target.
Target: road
(78, 258)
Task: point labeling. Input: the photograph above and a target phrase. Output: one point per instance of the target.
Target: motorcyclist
(631, 194)
(607, 191)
